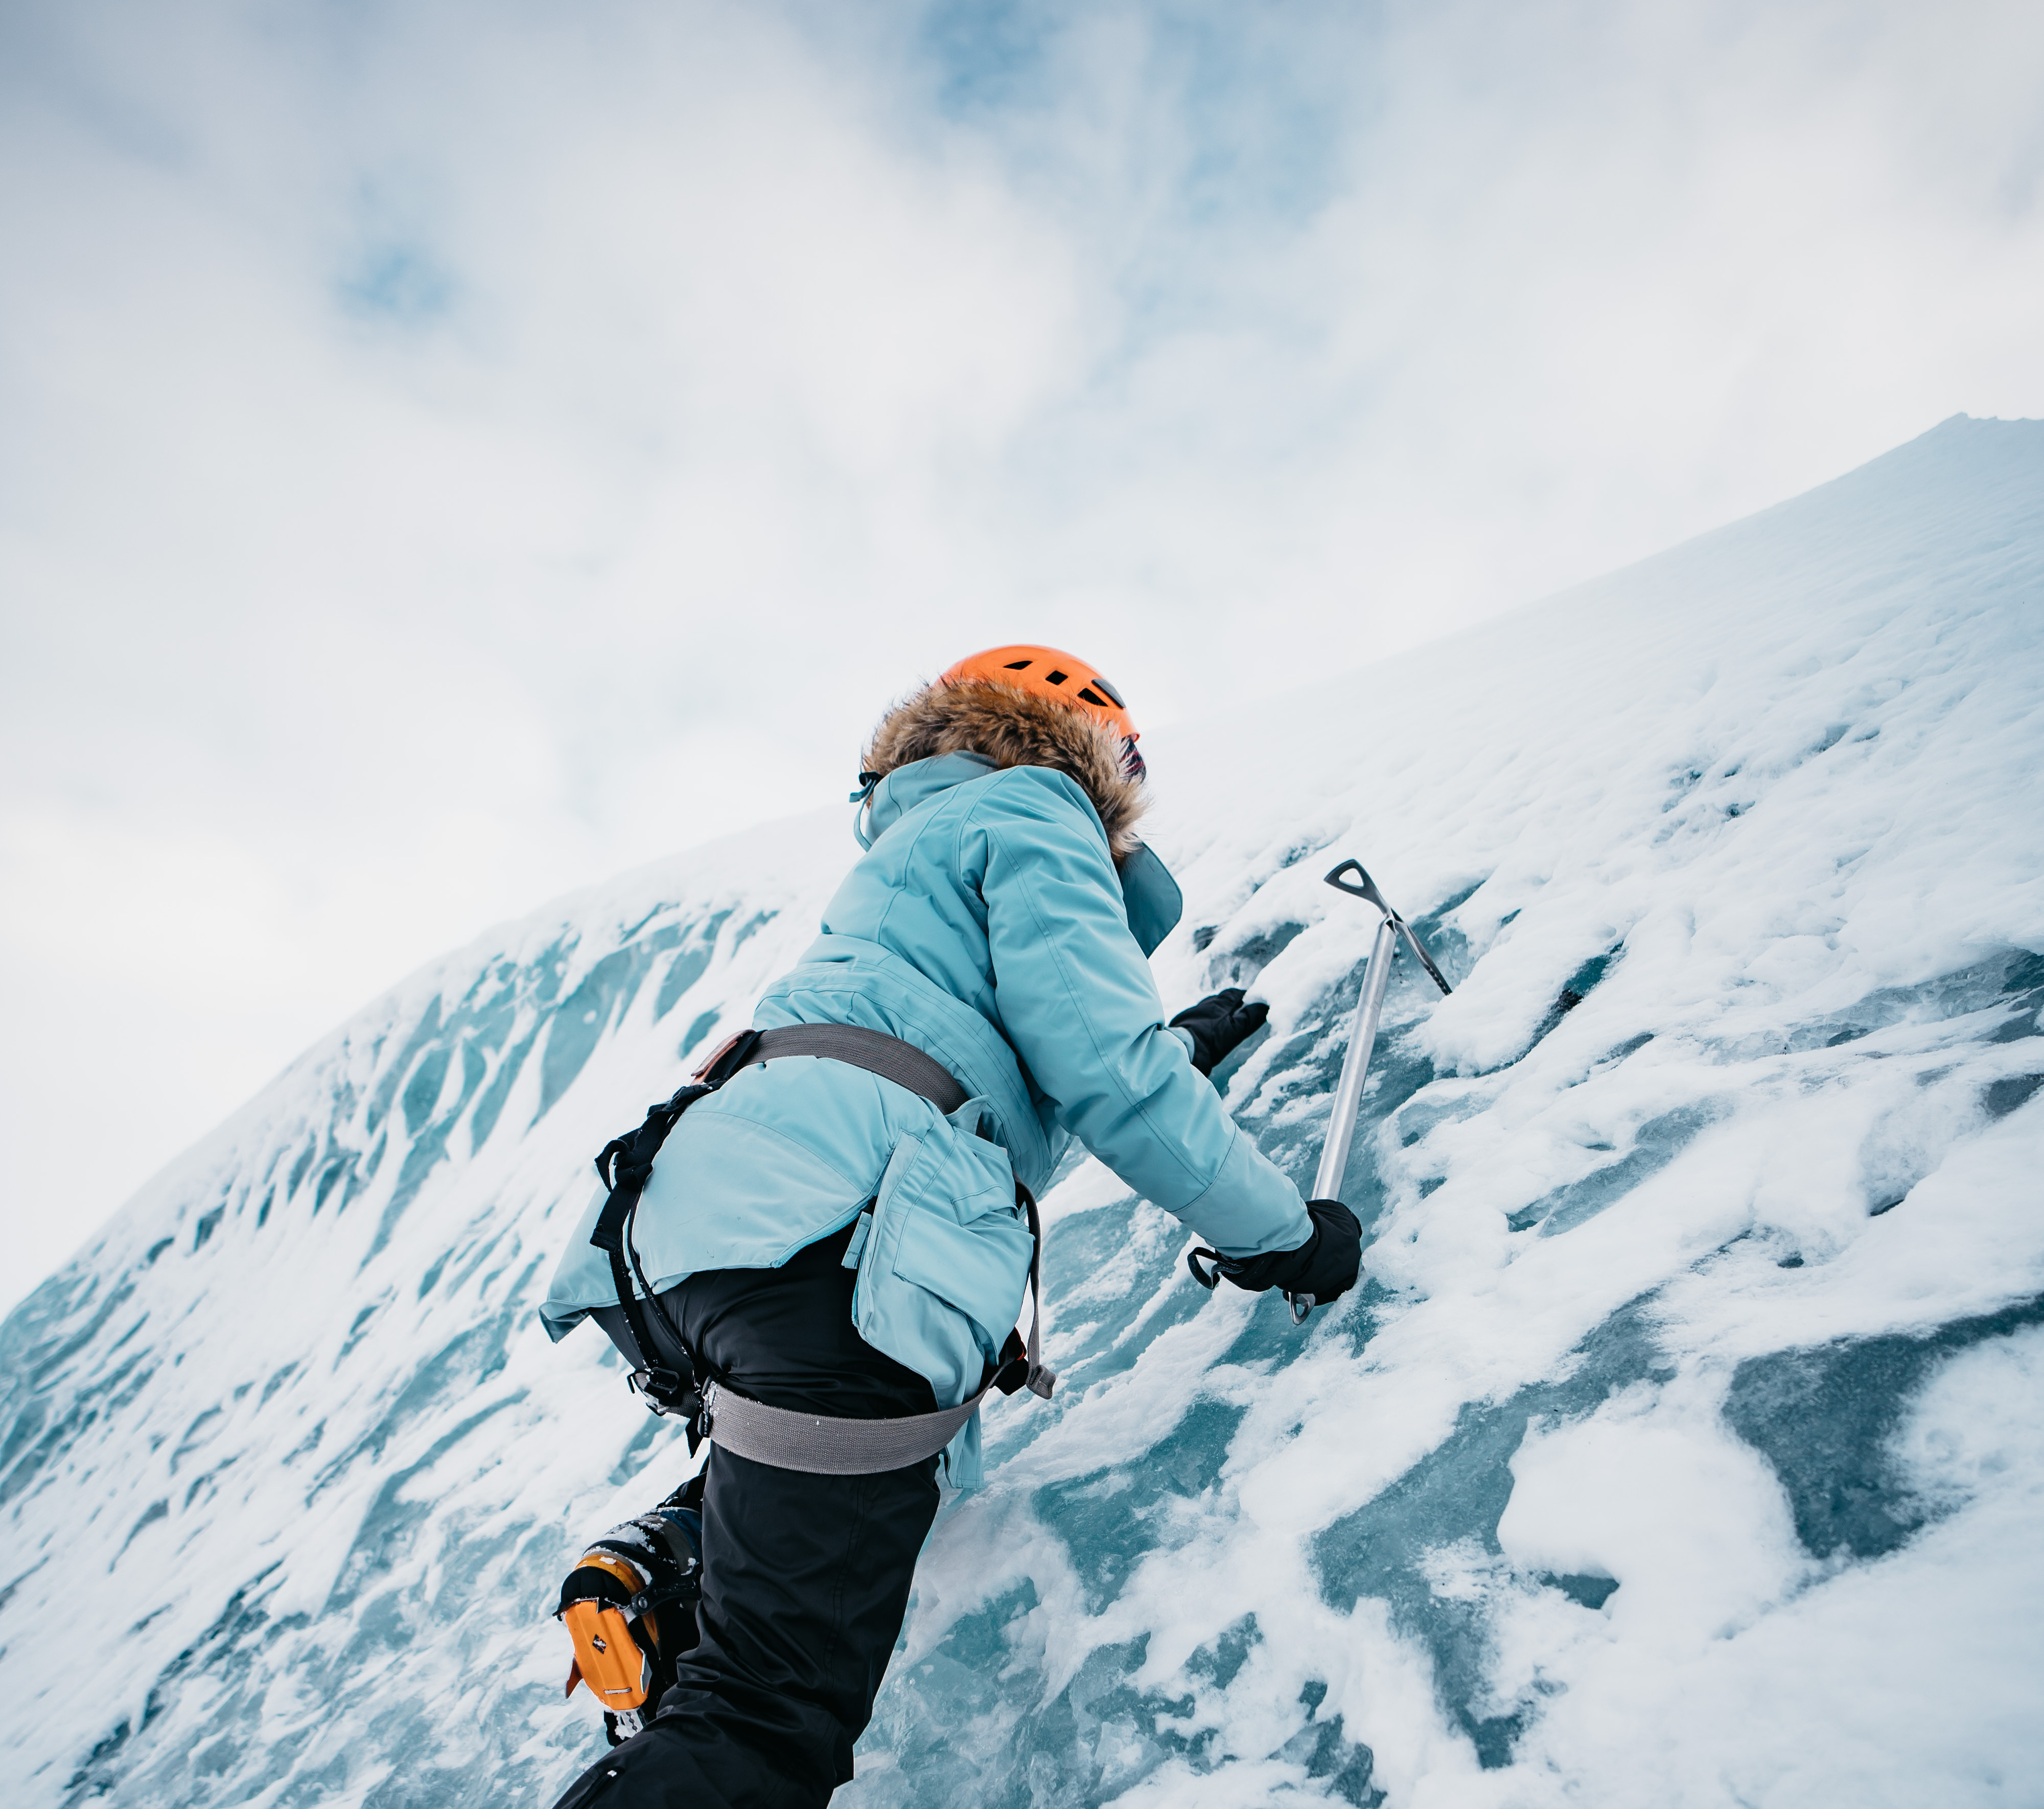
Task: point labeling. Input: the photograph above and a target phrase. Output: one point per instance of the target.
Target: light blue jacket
(988, 925)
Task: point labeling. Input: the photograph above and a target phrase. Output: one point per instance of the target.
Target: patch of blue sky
(990, 55)
(47, 66)
(1252, 128)
(398, 282)
(1268, 127)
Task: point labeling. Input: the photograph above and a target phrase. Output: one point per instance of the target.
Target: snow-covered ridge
(1685, 1444)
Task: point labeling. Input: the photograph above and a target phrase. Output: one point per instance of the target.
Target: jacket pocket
(944, 1266)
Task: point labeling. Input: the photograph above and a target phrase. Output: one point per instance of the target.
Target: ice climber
(839, 1231)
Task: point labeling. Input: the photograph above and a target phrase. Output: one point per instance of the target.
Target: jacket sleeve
(1080, 1007)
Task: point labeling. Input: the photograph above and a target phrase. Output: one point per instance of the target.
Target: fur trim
(1015, 728)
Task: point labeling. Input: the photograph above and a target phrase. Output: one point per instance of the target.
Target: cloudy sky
(450, 451)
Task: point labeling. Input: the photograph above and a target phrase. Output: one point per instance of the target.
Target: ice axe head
(1363, 886)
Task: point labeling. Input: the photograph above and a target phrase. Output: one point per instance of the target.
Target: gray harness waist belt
(816, 1442)
(825, 1446)
(875, 1050)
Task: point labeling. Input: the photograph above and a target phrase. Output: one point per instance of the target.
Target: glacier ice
(1684, 1445)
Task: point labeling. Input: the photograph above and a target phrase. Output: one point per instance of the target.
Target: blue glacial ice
(1684, 1445)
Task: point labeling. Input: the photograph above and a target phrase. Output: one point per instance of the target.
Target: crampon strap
(629, 1607)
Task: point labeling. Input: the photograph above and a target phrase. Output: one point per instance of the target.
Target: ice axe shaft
(1355, 1065)
(1362, 1040)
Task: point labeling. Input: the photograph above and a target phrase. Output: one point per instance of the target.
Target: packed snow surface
(1685, 1445)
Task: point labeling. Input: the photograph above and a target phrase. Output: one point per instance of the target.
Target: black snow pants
(805, 1578)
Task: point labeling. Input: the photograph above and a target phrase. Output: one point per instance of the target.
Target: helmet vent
(1046, 672)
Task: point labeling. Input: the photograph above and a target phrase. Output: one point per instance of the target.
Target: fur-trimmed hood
(1015, 728)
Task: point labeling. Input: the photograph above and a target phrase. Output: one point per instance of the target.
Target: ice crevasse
(1684, 1446)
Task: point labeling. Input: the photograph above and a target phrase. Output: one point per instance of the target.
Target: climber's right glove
(1326, 1266)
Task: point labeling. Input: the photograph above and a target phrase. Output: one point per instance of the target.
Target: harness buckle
(664, 1391)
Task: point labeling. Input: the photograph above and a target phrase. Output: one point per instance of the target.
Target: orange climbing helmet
(1046, 672)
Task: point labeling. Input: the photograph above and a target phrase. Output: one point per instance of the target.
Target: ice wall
(1684, 1444)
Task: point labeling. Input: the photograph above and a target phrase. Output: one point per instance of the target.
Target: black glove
(1326, 1266)
(1219, 1025)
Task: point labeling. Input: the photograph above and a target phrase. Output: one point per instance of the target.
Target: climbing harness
(816, 1442)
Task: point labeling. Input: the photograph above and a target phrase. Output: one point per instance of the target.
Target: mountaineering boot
(629, 1606)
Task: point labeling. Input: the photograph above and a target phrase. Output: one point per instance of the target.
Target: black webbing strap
(626, 1164)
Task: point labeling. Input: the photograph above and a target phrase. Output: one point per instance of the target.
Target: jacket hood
(1008, 727)
(885, 802)
(1154, 901)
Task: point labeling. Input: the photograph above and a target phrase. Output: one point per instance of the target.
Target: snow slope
(1684, 1446)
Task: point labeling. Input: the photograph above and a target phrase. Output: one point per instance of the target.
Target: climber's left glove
(1219, 1025)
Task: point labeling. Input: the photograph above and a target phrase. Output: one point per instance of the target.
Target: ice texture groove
(1684, 1444)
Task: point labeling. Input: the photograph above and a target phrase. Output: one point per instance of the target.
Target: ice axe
(1362, 1040)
